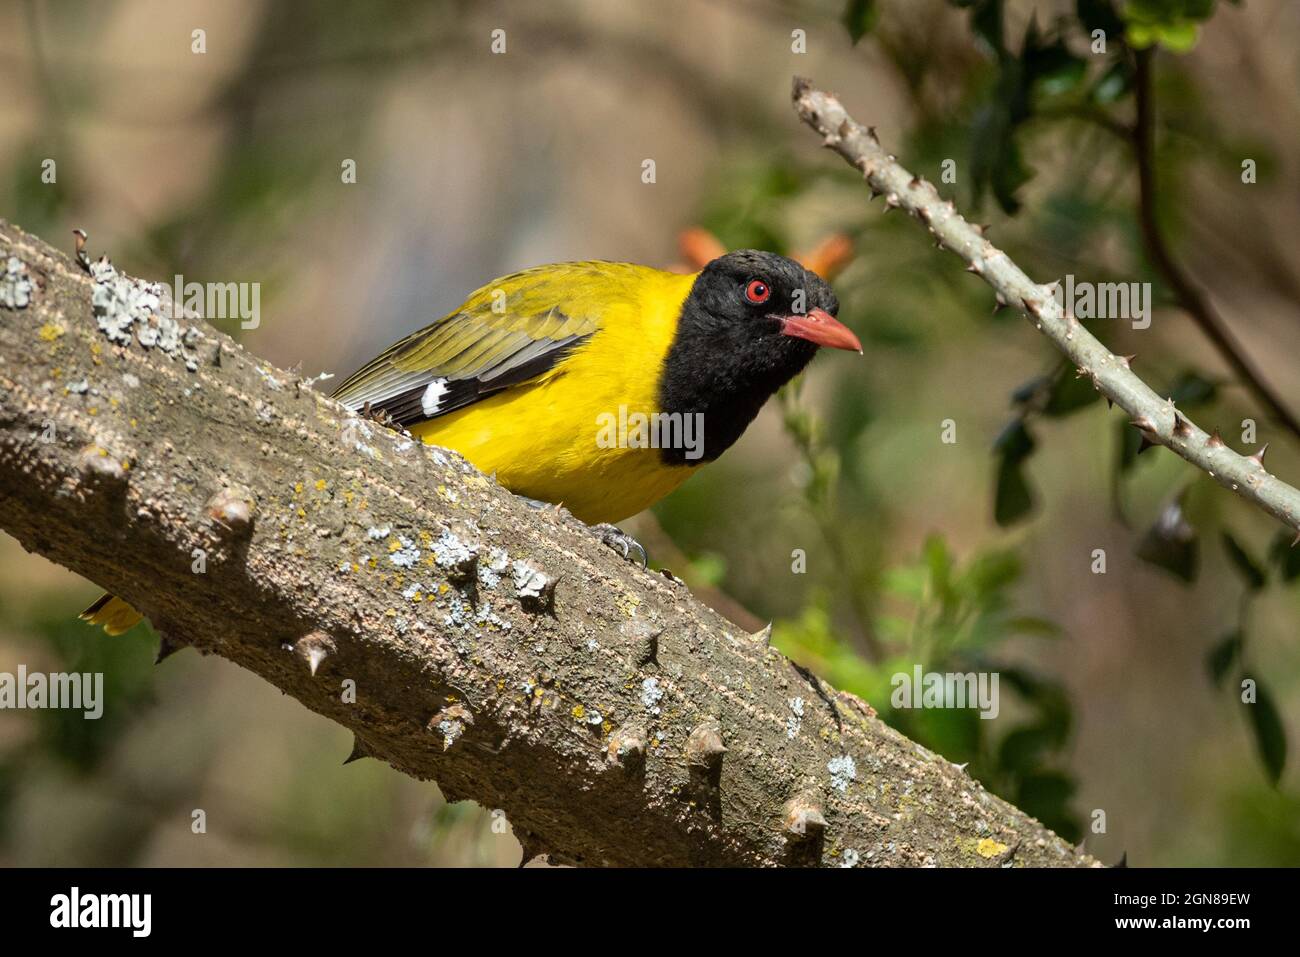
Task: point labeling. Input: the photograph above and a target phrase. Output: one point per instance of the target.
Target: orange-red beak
(821, 327)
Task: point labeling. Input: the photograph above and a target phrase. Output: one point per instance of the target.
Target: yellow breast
(568, 437)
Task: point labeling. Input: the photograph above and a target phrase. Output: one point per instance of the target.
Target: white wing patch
(432, 397)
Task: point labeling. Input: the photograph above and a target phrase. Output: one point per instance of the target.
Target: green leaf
(1220, 659)
(1246, 566)
(990, 572)
(1114, 84)
(938, 560)
(996, 160)
(860, 18)
(1099, 15)
(1014, 442)
(986, 21)
(1270, 735)
(1173, 24)
(1050, 67)
(1191, 388)
(1171, 544)
(1284, 556)
(1130, 441)
(1069, 393)
(1013, 498)
(1022, 750)
(1046, 795)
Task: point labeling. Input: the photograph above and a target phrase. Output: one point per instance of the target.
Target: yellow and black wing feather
(509, 332)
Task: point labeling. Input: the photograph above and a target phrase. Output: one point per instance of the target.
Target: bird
(596, 387)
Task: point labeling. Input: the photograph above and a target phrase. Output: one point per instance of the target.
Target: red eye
(757, 291)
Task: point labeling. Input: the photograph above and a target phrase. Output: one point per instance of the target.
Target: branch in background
(1157, 418)
(461, 635)
(1188, 295)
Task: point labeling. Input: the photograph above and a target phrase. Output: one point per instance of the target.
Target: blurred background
(842, 516)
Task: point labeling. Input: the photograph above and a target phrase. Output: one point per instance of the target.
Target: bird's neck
(723, 383)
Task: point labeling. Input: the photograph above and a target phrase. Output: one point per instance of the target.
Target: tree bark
(499, 650)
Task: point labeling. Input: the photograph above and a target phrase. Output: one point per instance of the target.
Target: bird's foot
(610, 535)
(620, 541)
(379, 417)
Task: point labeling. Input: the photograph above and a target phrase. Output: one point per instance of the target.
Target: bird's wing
(510, 332)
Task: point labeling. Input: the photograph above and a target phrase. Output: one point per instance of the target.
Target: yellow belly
(546, 441)
(549, 439)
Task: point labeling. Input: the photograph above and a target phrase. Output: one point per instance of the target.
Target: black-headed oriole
(519, 378)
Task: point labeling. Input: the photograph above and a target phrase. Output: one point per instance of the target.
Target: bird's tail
(114, 614)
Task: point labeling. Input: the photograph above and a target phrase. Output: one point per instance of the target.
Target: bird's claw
(610, 535)
(621, 541)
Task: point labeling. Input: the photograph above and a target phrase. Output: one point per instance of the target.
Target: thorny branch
(500, 650)
(1156, 418)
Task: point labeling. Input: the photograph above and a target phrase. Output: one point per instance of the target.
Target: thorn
(358, 751)
(1296, 541)
(1215, 441)
(231, 511)
(1148, 429)
(914, 182)
(1051, 287)
(314, 648)
(803, 817)
(1258, 457)
(644, 639)
(1031, 308)
(1182, 428)
(985, 229)
(891, 201)
(704, 747)
(1110, 403)
(79, 238)
(167, 646)
(871, 131)
(99, 466)
(765, 635)
(974, 267)
(627, 748)
(450, 723)
(532, 849)
(875, 192)
(1125, 361)
(999, 303)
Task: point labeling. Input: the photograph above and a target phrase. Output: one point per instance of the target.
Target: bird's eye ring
(757, 291)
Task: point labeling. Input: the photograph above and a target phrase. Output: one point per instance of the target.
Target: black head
(750, 324)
